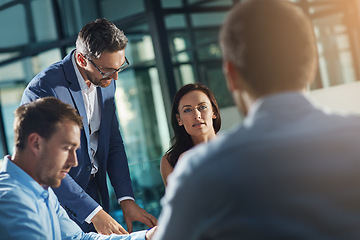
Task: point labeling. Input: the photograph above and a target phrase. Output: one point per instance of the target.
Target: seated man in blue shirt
(47, 134)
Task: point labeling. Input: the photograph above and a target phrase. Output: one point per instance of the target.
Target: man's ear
(80, 59)
(179, 120)
(34, 143)
(232, 74)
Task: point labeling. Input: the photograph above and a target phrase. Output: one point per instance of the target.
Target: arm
(70, 230)
(165, 169)
(72, 197)
(182, 205)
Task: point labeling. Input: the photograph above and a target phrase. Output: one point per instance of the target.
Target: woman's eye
(187, 110)
(202, 107)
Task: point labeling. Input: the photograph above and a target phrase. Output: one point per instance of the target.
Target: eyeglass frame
(104, 75)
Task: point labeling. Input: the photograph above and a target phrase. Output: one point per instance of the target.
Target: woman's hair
(182, 141)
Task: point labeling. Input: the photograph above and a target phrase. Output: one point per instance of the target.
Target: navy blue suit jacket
(59, 80)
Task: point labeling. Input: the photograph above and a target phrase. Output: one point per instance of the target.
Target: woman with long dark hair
(195, 118)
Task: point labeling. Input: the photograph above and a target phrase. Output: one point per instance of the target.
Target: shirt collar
(294, 100)
(81, 80)
(23, 178)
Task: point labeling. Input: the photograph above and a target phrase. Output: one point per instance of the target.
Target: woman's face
(196, 115)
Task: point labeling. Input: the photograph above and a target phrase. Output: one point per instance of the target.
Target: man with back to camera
(291, 170)
(47, 134)
(85, 80)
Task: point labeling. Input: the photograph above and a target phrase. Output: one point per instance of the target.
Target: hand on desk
(105, 224)
(132, 212)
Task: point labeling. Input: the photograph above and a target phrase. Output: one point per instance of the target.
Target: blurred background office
(171, 43)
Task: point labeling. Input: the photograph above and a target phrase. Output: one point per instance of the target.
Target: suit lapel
(76, 95)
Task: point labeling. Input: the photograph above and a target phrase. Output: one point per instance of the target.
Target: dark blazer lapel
(75, 91)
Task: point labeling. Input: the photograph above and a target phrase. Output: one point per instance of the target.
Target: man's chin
(105, 83)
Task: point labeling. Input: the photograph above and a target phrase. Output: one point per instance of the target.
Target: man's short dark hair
(272, 44)
(42, 116)
(99, 36)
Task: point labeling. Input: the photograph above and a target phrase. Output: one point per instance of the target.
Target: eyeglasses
(105, 75)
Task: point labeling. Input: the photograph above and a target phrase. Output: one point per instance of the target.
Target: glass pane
(179, 47)
(140, 50)
(3, 2)
(207, 19)
(143, 124)
(3, 143)
(171, 3)
(8, 55)
(145, 133)
(212, 51)
(336, 64)
(115, 9)
(75, 14)
(184, 74)
(44, 59)
(13, 72)
(175, 21)
(13, 24)
(215, 80)
(212, 3)
(43, 19)
(10, 100)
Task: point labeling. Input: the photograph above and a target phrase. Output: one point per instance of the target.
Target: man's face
(109, 61)
(58, 154)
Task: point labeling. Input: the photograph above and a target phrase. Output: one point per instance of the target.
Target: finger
(147, 221)
(152, 219)
(104, 231)
(129, 225)
(122, 230)
(116, 231)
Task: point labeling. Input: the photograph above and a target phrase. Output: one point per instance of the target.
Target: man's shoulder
(55, 72)
(12, 189)
(213, 152)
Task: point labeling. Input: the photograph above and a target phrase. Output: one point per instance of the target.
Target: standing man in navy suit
(85, 80)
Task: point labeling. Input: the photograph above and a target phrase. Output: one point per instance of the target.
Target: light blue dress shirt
(29, 211)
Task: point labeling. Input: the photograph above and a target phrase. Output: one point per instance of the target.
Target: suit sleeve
(117, 160)
(71, 196)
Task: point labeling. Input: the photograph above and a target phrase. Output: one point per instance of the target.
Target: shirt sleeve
(71, 231)
(92, 214)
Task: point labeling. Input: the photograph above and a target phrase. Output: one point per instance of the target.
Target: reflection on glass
(13, 25)
(43, 19)
(115, 9)
(144, 129)
(43, 60)
(10, 100)
(336, 64)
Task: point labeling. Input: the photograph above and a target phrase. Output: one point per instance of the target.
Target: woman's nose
(197, 114)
